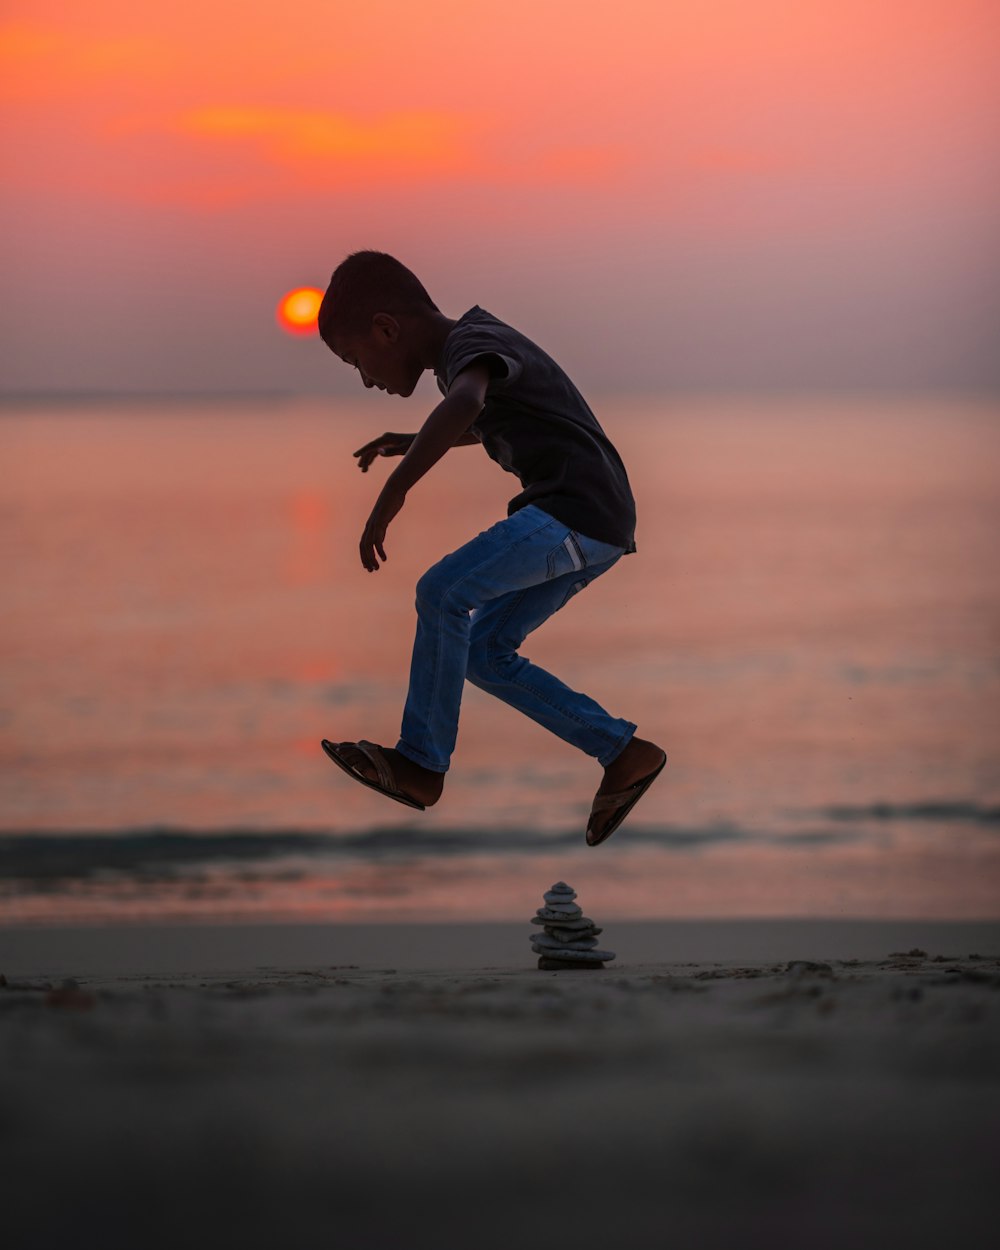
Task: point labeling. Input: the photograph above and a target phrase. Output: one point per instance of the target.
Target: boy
(573, 520)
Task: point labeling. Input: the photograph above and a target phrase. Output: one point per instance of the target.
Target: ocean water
(810, 627)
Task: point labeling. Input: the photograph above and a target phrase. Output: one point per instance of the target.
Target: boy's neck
(429, 334)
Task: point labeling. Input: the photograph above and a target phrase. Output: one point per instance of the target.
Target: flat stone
(571, 935)
(555, 920)
(547, 964)
(550, 943)
(554, 912)
(562, 886)
(559, 896)
(594, 955)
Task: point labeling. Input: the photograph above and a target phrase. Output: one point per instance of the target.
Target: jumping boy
(573, 520)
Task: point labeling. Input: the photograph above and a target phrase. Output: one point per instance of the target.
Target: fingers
(372, 541)
(384, 445)
(365, 455)
(369, 561)
(373, 444)
(372, 546)
(376, 445)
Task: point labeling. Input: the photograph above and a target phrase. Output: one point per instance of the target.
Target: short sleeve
(503, 369)
(472, 343)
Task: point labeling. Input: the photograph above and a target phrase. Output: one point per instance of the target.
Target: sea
(810, 627)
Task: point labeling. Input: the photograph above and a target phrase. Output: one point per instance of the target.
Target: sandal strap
(374, 753)
(605, 802)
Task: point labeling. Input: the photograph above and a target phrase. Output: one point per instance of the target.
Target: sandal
(625, 800)
(385, 784)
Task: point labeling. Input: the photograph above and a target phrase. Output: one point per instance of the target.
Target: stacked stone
(568, 938)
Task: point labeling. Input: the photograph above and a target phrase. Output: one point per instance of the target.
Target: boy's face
(381, 356)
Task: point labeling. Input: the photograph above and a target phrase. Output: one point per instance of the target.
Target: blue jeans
(475, 608)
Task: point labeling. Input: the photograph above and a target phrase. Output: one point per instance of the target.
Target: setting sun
(297, 310)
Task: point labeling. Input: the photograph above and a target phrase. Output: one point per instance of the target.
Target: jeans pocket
(568, 557)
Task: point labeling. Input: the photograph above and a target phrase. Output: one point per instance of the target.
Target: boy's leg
(630, 762)
(499, 628)
(530, 549)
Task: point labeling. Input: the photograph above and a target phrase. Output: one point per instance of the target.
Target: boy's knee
(444, 586)
(432, 587)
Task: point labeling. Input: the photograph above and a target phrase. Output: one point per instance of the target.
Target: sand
(819, 1099)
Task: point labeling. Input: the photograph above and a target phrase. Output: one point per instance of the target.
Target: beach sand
(177, 1089)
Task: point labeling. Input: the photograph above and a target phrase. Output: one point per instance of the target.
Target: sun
(297, 310)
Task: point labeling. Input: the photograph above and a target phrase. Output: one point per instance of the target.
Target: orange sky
(715, 193)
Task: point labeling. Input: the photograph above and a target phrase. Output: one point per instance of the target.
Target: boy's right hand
(384, 445)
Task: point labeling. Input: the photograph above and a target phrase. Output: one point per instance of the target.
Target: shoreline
(131, 949)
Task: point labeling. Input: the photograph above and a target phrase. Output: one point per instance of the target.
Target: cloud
(329, 150)
(428, 140)
(39, 63)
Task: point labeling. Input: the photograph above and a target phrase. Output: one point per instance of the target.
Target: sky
(717, 195)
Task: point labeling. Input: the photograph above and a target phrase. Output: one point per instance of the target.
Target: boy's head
(370, 318)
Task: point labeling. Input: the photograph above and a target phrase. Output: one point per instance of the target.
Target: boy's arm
(445, 426)
(449, 422)
(398, 445)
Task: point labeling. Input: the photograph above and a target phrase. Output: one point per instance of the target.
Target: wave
(977, 813)
(153, 852)
(150, 852)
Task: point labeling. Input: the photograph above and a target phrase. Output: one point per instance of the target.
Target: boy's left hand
(387, 505)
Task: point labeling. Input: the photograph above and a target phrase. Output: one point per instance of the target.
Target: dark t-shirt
(537, 425)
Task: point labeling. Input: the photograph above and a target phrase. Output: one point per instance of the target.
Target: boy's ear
(386, 326)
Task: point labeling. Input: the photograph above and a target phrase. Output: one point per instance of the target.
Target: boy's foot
(626, 780)
(385, 770)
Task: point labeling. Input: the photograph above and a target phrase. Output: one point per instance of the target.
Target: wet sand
(818, 1099)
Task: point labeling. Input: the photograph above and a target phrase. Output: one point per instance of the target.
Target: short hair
(366, 283)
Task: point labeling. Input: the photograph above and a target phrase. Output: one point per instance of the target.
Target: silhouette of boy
(573, 520)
